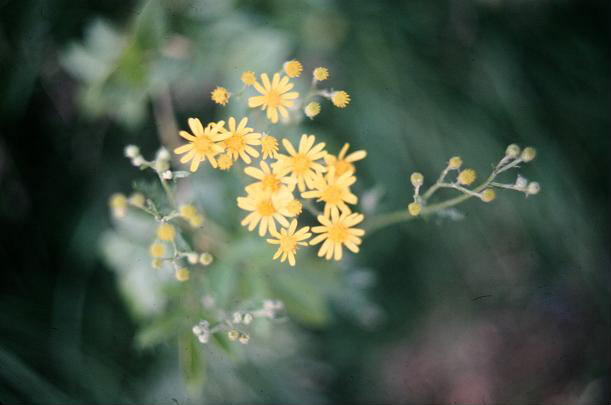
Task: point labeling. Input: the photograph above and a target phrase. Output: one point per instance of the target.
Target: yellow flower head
(455, 162)
(275, 96)
(265, 209)
(118, 205)
(166, 231)
(269, 146)
(289, 240)
(220, 95)
(187, 211)
(248, 78)
(333, 190)
(293, 208)
(240, 140)
(343, 163)
(488, 195)
(293, 68)
(157, 250)
(312, 109)
(320, 74)
(340, 99)
(270, 179)
(336, 232)
(137, 199)
(417, 179)
(414, 209)
(301, 163)
(203, 144)
(466, 177)
(182, 274)
(528, 154)
(225, 161)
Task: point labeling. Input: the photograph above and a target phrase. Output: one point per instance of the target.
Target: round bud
(414, 209)
(156, 263)
(138, 161)
(163, 154)
(182, 274)
(192, 257)
(203, 338)
(244, 338)
(417, 179)
(197, 330)
(512, 151)
(137, 199)
(205, 259)
(247, 318)
(521, 182)
(157, 250)
(237, 317)
(455, 162)
(131, 151)
(233, 334)
(533, 188)
(466, 177)
(488, 195)
(528, 154)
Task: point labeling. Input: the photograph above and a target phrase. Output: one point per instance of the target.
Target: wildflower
(320, 74)
(269, 146)
(157, 250)
(269, 179)
(533, 188)
(220, 95)
(528, 154)
(203, 144)
(293, 208)
(289, 240)
(312, 109)
(302, 163)
(466, 177)
(225, 161)
(417, 179)
(343, 163)
(488, 195)
(166, 232)
(275, 96)
(333, 190)
(131, 151)
(455, 162)
(340, 99)
(414, 209)
(118, 205)
(248, 78)
(182, 274)
(240, 140)
(293, 68)
(512, 151)
(266, 208)
(337, 231)
(205, 259)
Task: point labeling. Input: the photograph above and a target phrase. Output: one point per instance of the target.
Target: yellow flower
(274, 96)
(320, 74)
(466, 177)
(157, 250)
(343, 163)
(337, 231)
(269, 146)
(293, 68)
(488, 195)
(528, 154)
(248, 78)
(166, 231)
(270, 179)
(204, 144)
(417, 179)
(414, 209)
(293, 208)
(182, 274)
(220, 95)
(455, 162)
(118, 205)
(340, 99)
(333, 190)
(302, 163)
(289, 240)
(137, 199)
(225, 161)
(240, 140)
(312, 109)
(188, 212)
(266, 208)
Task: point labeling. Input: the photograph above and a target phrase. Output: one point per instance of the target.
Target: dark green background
(428, 80)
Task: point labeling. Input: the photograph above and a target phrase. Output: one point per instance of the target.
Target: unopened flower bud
(131, 151)
(417, 179)
(182, 274)
(163, 154)
(528, 154)
(414, 209)
(247, 318)
(488, 195)
(512, 151)
(533, 188)
(237, 317)
(205, 259)
(233, 334)
(138, 161)
(192, 257)
(521, 182)
(466, 177)
(244, 338)
(455, 162)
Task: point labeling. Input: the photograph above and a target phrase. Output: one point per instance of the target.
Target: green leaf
(192, 364)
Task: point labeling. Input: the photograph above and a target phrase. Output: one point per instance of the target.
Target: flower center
(202, 145)
(235, 143)
(273, 99)
(332, 195)
(301, 163)
(288, 244)
(338, 232)
(341, 167)
(266, 208)
(270, 182)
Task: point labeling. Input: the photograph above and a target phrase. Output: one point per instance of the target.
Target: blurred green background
(506, 302)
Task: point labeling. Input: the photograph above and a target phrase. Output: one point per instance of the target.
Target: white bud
(533, 188)
(192, 257)
(197, 330)
(244, 338)
(163, 154)
(167, 175)
(131, 151)
(247, 318)
(237, 317)
(203, 338)
(138, 161)
(521, 182)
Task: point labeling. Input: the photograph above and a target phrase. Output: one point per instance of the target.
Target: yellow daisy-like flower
(302, 163)
(312, 109)
(333, 190)
(466, 177)
(275, 96)
(266, 208)
(289, 240)
(240, 140)
(337, 231)
(294, 208)
(340, 99)
(270, 179)
(225, 161)
(203, 144)
(320, 74)
(293, 68)
(248, 78)
(166, 232)
(269, 146)
(343, 163)
(220, 95)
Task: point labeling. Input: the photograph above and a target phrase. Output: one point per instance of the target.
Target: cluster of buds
(465, 177)
(202, 331)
